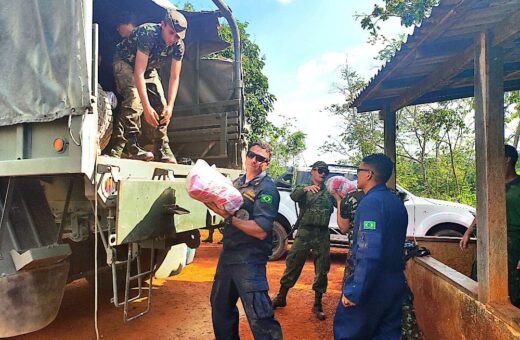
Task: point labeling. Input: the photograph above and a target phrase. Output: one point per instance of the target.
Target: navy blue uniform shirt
(261, 201)
(378, 249)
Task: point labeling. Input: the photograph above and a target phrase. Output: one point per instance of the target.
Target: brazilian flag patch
(369, 225)
(265, 198)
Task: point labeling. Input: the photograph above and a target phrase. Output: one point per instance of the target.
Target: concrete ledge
(449, 274)
(446, 305)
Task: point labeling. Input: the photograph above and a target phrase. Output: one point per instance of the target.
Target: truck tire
(105, 118)
(279, 241)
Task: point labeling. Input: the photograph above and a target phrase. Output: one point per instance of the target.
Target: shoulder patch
(369, 225)
(265, 198)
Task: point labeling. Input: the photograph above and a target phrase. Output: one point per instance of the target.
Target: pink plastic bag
(206, 184)
(341, 185)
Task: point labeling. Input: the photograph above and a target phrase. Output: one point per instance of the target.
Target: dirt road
(181, 310)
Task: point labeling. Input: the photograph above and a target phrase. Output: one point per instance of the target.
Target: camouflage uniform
(409, 327)
(513, 240)
(348, 206)
(147, 39)
(313, 234)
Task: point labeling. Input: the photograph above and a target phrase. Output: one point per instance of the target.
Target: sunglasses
(321, 171)
(361, 169)
(259, 158)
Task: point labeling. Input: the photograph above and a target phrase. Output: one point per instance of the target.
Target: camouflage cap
(320, 165)
(176, 20)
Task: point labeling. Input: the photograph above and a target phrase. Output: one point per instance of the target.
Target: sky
(305, 43)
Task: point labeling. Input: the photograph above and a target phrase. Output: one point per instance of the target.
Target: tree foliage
(287, 144)
(362, 133)
(410, 12)
(258, 100)
(435, 145)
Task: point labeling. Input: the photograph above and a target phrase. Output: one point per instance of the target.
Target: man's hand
(311, 188)
(463, 244)
(151, 116)
(336, 196)
(346, 302)
(518, 265)
(166, 115)
(217, 209)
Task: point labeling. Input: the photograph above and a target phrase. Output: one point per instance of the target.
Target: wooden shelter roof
(437, 61)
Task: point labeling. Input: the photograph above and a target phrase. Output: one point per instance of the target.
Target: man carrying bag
(316, 206)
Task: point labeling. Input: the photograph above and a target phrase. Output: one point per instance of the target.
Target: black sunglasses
(259, 158)
(321, 171)
(361, 169)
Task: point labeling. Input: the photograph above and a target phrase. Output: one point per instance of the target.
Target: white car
(426, 217)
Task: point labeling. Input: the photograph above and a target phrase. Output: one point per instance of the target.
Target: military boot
(117, 148)
(317, 308)
(135, 151)
(280, 300)
(209, 239)
(163, 153)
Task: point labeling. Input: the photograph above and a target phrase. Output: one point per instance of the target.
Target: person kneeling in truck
(137, 58)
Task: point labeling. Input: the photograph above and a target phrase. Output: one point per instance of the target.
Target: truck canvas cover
(42, 61)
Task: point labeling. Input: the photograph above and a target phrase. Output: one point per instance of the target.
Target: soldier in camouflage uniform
(512, 181)
(313, 235)
(125, 26)
(137, 58)
(345, 218)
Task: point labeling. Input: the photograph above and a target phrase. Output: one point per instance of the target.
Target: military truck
(66, 211)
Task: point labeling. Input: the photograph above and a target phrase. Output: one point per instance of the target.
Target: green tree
(258, 100)
(287, 144)
(362, 133)
(411, 12)
(435, 146)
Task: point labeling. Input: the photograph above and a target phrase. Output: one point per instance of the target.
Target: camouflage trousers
(308, 240)
(129, 116)
(409, 327)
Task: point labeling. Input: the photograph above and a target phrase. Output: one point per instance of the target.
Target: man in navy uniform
(373, 293)
(247, 243)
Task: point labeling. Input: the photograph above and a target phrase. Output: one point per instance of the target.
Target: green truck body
(53, 177)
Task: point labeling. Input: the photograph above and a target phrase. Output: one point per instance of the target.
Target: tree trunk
(453, 164)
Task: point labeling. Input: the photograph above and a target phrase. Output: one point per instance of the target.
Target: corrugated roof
(437, 61)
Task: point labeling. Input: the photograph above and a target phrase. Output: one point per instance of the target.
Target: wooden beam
(390, 149)
(489, 144)
(405, 57)
(507, 29)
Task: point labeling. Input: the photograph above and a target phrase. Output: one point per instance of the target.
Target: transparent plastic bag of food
(341, 185)
(205, 184)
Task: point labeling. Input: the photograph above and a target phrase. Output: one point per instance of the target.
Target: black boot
(163, 153)
(209, 239)
(317, 308)
(280, 300)
(135, 151)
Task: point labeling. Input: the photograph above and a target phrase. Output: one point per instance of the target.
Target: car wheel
(279, 241)
(447, 231)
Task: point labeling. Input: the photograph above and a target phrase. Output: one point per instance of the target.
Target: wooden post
(390, 132)
(489, 144)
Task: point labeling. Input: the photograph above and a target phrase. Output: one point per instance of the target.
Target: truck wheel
(105, 118)
(279, 241)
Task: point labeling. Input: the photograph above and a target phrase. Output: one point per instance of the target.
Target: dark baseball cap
(176, 20)
(320, 165)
